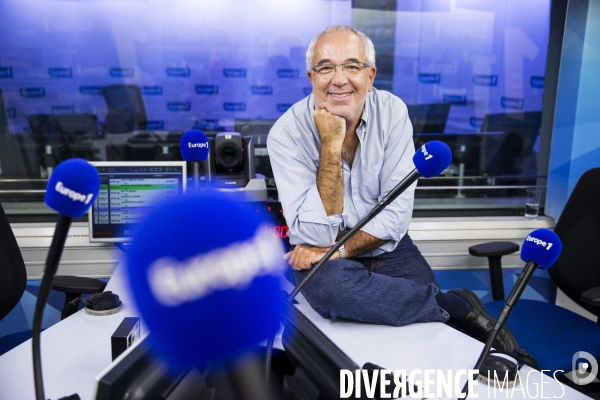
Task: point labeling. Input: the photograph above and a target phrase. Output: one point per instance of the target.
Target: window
(122, 80)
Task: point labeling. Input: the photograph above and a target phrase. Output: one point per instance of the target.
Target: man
(335, 155)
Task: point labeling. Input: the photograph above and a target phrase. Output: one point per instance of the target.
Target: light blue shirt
(383, 158)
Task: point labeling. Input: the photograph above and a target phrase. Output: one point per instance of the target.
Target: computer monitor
(428, 118)
(70, 126)
(257, 128)
(317, 361)
(139, 374)
(128, 193)
(506, 152)
(465, 149)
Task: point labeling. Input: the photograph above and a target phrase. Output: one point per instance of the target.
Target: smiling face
(341, 94)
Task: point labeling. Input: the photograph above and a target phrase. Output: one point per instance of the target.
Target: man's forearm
(330, 179)
(303, 257)
(362, 243)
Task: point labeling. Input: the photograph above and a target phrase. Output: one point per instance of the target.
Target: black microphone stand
(513, 297)
(391, 196)
(196, 165)
(52, 261)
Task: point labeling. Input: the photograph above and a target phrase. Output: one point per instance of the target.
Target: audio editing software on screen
(128, 194)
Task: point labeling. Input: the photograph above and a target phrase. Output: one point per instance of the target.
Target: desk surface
(430, 346)
(77, 349)
(74, 352)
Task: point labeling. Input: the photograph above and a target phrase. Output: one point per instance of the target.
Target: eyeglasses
(350, 68)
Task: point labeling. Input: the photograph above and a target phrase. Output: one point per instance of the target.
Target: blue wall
(576, 136)
(203, 64)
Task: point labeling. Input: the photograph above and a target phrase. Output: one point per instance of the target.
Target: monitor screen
(128, 193)
(428, 118)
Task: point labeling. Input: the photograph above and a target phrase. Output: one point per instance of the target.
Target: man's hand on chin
(332, 128)
(303, 257)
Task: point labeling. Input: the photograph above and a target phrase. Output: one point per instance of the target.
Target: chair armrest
(77, 284)
(73, 287)
(494, 252)
(591, 297)
(493, 249)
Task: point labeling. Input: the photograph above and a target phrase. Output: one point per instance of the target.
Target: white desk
(74, 351)
(433, 346)
(77, 349)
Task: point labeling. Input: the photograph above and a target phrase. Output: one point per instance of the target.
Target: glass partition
(122, 80)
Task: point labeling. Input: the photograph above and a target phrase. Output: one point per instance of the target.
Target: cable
(268, 358)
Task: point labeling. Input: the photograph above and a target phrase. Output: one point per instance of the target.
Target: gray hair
(369, 48)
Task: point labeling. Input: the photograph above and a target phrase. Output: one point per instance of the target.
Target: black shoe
(479, 325)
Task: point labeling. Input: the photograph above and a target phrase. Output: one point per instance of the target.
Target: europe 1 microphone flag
(71, 191)
(194, 148)
(540, 249)
(206, 280)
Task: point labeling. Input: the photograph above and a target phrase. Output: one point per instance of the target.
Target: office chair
(13, 280)
(551, 333)
(510, 150)
(126, 110)
(525, 124)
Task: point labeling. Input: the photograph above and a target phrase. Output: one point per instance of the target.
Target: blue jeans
(396, 288)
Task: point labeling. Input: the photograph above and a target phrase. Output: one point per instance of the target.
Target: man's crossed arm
(303, 256)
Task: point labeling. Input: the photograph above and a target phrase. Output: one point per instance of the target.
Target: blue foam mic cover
(194, 146)
(206, 279)
(541, 246)
(72, 187)
(432, 158)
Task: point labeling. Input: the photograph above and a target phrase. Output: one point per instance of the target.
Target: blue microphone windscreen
(432, 158)
(541, 246)
(206, 279)
(194, 146)
(72, 187)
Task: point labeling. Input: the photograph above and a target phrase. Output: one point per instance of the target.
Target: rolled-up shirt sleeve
(295, 175)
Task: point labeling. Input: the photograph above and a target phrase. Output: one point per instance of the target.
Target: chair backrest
(13, 276)
(578, 267)
(126, 110)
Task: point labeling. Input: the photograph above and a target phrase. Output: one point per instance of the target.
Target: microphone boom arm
(391, 196)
